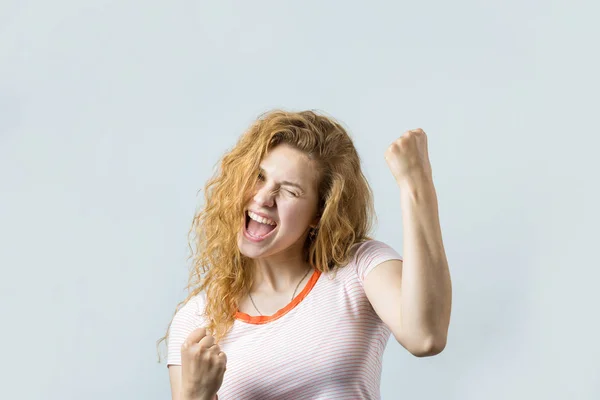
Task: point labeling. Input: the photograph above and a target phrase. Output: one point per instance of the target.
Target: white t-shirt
(328, 343)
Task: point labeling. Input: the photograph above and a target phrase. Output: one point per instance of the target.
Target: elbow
(430, 346)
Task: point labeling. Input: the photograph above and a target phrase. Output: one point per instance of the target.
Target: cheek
(295, 218)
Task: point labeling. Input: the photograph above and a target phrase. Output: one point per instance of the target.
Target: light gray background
(113, 114)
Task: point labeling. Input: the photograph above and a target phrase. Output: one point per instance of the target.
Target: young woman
(289, 296)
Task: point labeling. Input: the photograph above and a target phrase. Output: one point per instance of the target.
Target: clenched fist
(408, 156)
(203, 365)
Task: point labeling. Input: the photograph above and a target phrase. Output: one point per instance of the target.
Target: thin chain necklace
(293, 295)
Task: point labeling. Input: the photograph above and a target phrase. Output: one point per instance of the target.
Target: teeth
(260, 219)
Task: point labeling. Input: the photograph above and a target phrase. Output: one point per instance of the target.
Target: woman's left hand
(408, 156)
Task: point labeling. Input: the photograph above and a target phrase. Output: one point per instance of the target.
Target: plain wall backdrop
(113, 114)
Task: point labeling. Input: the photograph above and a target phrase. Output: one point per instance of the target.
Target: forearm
(426, 287)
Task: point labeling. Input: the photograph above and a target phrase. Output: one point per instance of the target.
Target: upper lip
(263, 215)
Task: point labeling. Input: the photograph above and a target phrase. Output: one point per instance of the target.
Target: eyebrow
(286, 183)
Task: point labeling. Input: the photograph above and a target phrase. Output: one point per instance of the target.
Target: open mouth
(258, 228)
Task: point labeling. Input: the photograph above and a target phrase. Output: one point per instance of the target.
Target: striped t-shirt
(328, 343)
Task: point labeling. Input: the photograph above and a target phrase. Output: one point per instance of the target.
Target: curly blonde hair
(345, 209)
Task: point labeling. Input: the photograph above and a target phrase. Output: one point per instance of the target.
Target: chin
(250, 249)
(243, 248)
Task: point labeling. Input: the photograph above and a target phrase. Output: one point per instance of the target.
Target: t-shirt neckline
(263, 319)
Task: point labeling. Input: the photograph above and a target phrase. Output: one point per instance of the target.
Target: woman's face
(285, 204)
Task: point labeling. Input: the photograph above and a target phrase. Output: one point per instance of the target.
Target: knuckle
(200, 332)
(207, 341)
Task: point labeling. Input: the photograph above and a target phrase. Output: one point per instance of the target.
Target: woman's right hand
(203, 365)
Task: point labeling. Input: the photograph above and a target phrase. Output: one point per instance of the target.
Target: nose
(264, 197)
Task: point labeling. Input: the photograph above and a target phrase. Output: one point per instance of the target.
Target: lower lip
(255, 239)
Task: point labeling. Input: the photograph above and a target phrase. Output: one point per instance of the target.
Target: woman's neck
(278, 276)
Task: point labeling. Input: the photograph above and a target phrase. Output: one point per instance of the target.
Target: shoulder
(368, 254)
(188, 318)
(190, 312)
(371, 245)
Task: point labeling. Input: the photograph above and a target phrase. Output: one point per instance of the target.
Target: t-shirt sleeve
(187, 318)
(370, 254)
